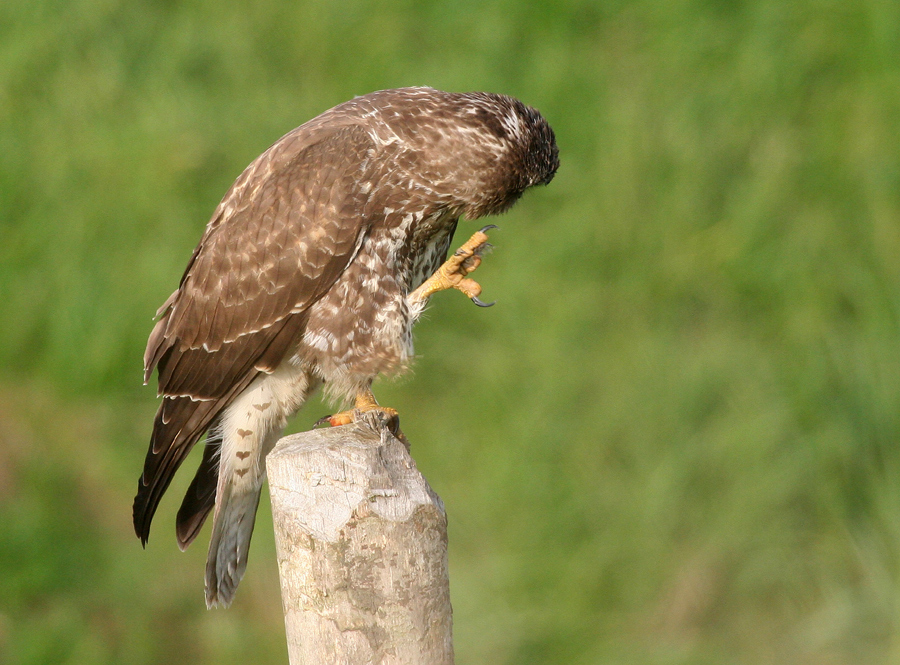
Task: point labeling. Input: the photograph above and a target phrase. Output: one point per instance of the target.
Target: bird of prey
(311, 273)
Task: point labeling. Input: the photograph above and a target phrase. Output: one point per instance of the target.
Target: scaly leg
(452, 273)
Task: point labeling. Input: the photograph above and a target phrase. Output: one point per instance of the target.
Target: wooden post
(362, 550)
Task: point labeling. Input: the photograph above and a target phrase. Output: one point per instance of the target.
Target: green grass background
(673, 441)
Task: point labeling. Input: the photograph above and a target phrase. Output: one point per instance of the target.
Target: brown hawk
(311, 273)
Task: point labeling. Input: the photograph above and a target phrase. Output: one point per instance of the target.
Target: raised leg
(453, 272)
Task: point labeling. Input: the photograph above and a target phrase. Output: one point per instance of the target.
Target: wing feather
(262, 262)
(199, 498)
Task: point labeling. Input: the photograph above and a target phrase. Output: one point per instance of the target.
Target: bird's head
(540, 155)
(523, 151)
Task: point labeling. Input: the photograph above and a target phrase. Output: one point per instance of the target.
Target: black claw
(322, 421)
(483, 304)
(488, 228)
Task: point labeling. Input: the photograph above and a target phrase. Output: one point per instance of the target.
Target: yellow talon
(365, 402)
(452, 273)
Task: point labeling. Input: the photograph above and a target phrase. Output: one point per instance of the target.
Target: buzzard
(310, 274)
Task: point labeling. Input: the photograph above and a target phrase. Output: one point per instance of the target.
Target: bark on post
(362, 550)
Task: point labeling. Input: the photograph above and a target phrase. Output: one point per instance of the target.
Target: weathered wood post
(362, 550)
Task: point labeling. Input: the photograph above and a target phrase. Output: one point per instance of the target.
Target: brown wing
(279, 240)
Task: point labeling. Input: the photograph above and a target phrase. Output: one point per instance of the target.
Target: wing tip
(139, 514)
(187, 529)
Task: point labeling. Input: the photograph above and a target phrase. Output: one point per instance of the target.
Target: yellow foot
(452, 273)
(365, 403)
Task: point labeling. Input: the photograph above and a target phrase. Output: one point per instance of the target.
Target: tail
(230, 541)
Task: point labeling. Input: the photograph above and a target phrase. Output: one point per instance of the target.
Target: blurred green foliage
(674, 439)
